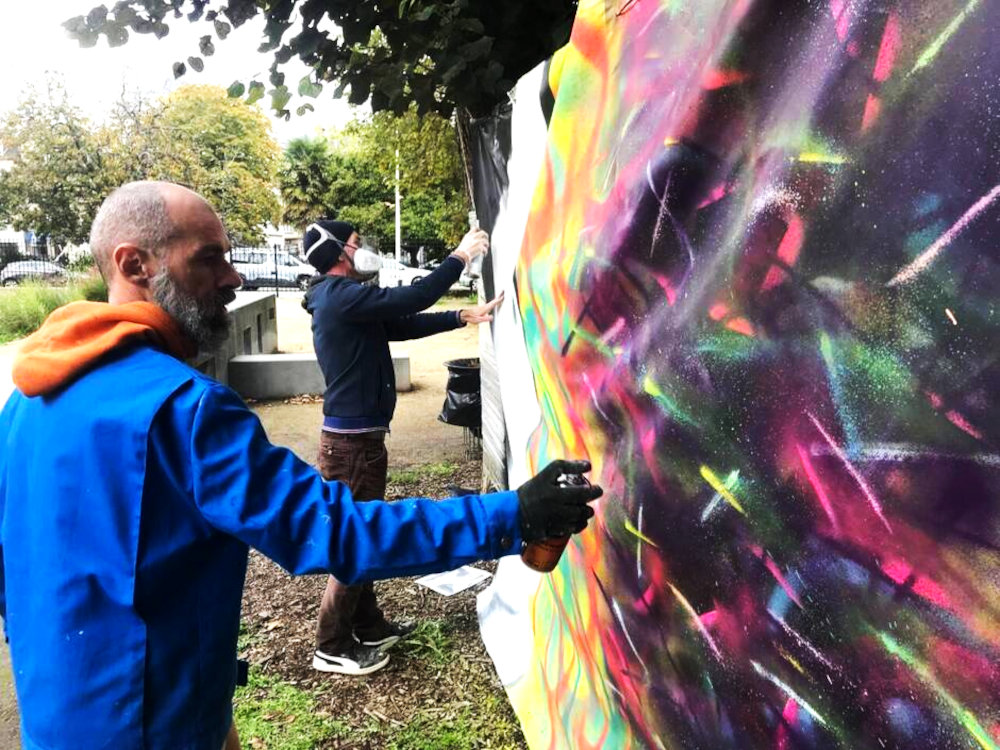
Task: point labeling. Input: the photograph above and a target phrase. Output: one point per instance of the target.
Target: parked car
(21, 271)
(394, 273)
(260, 267)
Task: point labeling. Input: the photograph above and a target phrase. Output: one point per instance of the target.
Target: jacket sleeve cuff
(458, 318)
(502, 523)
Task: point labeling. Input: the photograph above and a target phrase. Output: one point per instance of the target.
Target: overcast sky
(33, 42)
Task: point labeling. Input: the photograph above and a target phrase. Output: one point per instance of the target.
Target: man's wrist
(461, 320)
(462, 256)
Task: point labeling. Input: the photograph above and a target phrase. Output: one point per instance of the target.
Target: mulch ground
(279, 616)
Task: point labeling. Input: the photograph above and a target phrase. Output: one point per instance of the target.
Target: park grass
(24, 308)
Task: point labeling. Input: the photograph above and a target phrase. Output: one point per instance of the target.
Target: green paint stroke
(928, 55)
(669, 406)
(964, 716)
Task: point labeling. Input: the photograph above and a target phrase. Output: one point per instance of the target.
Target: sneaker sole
(322, 665)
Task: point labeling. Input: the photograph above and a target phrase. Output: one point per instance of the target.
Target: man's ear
(134, 264)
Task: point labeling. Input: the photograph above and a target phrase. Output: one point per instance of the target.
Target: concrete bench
(271, 376)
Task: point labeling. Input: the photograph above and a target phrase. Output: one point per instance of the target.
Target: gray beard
(204, 321)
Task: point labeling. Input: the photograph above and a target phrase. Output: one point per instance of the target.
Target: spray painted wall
(757, 288)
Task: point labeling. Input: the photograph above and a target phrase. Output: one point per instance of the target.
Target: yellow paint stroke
(816, 157)
(716, 484)
(791, 660)
(633, 530)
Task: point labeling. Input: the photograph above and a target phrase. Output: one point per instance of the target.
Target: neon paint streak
(716, 484)
(593, 397)
(815, 157)
(791, 660)
(918, 266)
(818, 488)
(772, 566)
(669, 405)
(869, 495)
(621, 623)
(697, 620)
(964, 716)
(873, 106)
(803, 642)
(788, 691)
(639, 538)
(962, 423)
(638, 534)
(731, 481)
(888, 49)
(899, 571)
(934, 48)
(788, 251)
(791, 716)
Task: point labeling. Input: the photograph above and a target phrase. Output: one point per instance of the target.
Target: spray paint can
(475, 269)
(544, 554)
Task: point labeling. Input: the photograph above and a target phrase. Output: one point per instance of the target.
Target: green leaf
(303, 108)
(308, 88)
(205, 46)
(222, 29)
(280, 96)
(179, 69)
(256, 92)
(236, 89)
(196, 63)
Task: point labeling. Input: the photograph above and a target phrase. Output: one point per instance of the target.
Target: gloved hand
(475, 243)
(550, 508)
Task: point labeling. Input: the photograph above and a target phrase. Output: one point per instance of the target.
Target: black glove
(554, 502)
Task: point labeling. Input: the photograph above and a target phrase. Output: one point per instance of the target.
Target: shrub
(24, 308)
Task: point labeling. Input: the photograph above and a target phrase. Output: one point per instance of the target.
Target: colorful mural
(758, 289)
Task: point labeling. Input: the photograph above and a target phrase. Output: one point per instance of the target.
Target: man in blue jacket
(353, 324)
(131, 487)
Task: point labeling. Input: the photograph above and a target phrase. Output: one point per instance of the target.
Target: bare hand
(481, 313)
(475, 243)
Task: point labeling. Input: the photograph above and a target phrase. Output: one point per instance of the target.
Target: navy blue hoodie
(353, 324)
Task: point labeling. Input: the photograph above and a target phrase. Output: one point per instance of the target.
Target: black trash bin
(463, 403)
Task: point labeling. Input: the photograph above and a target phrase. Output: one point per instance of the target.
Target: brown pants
(361, 462)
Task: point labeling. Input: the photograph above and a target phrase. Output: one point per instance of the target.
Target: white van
(261, 267)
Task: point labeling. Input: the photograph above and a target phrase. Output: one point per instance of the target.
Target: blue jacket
(352, 326)
(129, 498)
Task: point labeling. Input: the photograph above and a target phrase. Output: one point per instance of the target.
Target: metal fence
(270, 268)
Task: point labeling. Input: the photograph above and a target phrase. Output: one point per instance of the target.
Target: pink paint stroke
(818, 488)
(888, 49)
(929, 255)
(868, 493)
(791, 717)
(772, 566)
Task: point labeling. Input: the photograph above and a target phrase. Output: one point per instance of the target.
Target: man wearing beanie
(352, 325)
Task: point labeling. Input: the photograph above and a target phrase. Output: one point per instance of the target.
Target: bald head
(143, 214)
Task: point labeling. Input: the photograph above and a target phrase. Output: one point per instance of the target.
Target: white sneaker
(356, 659)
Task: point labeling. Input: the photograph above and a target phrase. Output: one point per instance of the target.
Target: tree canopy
(61, 172)
(65, 166)
(351, 177)
(437, 54)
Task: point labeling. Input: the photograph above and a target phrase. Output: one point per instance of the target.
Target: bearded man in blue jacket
(131, 487)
